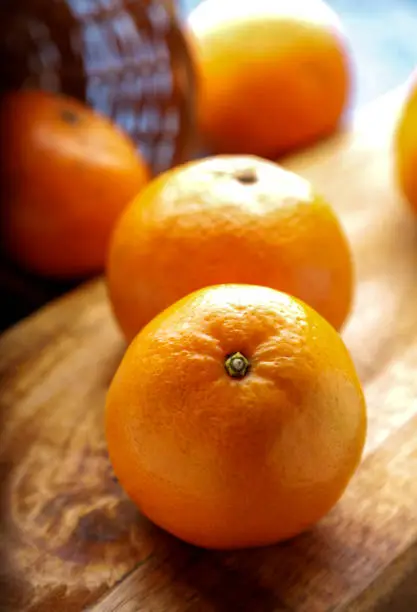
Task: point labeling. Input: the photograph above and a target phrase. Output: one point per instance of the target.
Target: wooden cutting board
(71, 540)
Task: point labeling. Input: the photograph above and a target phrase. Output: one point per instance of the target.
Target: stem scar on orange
(236, 417)
(67, 173)
(227, 219)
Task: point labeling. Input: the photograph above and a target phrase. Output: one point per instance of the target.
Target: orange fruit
(405, 146)
(274, 74)
(67, 173)
(227, 220)
(236, 417)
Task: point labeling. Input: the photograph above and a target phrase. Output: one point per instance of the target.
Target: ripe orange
(274, 74)
(236, 417)
(67, 173)
(227, 220)
(405, 146)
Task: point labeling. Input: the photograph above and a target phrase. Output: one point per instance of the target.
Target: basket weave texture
(128, 59)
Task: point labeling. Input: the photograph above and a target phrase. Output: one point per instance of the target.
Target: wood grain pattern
(68, 533)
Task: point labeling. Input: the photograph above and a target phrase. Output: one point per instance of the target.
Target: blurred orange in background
(67, 173)
(405, 146)
(274, 75)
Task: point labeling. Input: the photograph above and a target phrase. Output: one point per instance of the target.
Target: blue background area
(383, 38)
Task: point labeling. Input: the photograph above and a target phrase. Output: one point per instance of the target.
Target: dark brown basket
(128, 59)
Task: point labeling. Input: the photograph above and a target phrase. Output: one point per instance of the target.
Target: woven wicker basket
(126, 58)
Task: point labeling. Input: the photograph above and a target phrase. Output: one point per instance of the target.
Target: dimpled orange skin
(275, 75)
(224, 462)
(227, 219)
(405, 147)
(67, 174)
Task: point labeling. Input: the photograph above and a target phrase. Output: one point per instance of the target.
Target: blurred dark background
(383, 37)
